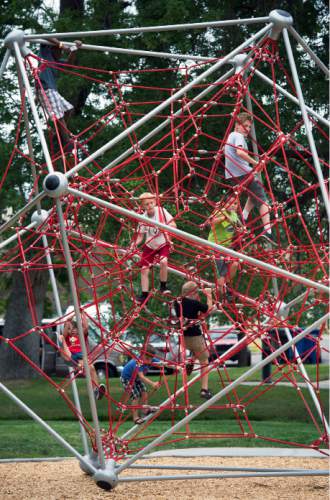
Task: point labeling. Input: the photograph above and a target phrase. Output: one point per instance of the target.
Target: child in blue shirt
(134, 378)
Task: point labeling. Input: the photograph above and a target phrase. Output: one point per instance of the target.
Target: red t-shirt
(73, 341)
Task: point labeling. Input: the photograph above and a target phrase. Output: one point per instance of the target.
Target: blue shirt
(130, 368)
(48, 76)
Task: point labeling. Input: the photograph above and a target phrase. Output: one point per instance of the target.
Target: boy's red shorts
(149, 255)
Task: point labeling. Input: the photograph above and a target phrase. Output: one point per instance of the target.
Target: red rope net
(183, 163)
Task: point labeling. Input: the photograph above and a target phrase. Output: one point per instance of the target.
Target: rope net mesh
(182, 161)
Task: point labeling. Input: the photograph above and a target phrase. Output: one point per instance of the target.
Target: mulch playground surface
(64, 480)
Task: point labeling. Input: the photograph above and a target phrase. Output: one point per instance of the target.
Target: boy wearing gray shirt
(238, 170)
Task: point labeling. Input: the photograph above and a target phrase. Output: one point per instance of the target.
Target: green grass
(26, 439)
(281, 403)
(278, 413)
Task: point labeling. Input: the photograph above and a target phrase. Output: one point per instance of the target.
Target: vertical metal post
(67, 256)
(4, 62)
(34, 110)
(306, 121)
(309, 51)
(49, 260)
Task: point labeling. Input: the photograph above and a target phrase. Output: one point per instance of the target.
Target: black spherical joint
(55, 184)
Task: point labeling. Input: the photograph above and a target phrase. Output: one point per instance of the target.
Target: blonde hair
(189, 287)
(244, 117)
(147, 196)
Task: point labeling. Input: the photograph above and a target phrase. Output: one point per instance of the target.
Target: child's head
(189, 289)
(148, 202)
(148, 355)
(243, 123)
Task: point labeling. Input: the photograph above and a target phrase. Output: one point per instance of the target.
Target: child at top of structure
(224, 223)
(72, 351)
(157, 243)
(51, 100)
(189, 309)
(133, 378)
(239, 171)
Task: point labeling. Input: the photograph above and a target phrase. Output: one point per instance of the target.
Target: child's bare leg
(144, 399)
(248, 207)
(163, 271)
(221, 283)
(145, 279)
(233, 271)
(135, 411)
(265, 217)
(94, 376)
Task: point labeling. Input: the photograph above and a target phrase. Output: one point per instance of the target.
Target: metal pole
(15, 236)
(304, 45)
(212, 467)
(175, 477)
(135, 52)
(22, 212)
(43, 424)
(168, 101)
(291, 97)
(163, 125)
(150, 29)
(67, 256)
(306, 121)
(56, 295)
(201, 241)
(4, 62)
(223, 392)
(34, 110)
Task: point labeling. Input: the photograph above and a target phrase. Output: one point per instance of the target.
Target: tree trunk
(18, 320)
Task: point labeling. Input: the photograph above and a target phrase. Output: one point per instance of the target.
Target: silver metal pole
(135, 52)
(212, 467)
(75, 300)
(296, 300)
(291, 97)
(306, 121)
(43, 424)
(4, 62)
(34, 110)
(168, 101)
(163, 124)
(56, 295)
(9, 240)
(305, 46)
(201, 241)
(176, 477)
(150, 29)
(223, 392)
(22, 212)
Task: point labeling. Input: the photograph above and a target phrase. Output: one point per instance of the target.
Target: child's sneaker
(101, 391)
(164, 290)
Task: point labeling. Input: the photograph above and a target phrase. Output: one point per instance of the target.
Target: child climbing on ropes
(190, 310)
(157, 245)
(51, 100)
(224, 224)
(133, 378)
(71, 350)
(239, 171)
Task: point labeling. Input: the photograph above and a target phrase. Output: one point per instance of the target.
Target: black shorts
(253, 187)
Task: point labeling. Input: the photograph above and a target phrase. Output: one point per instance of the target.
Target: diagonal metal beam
(222, 393)
(204, 243)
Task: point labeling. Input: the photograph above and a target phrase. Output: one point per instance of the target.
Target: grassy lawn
(278, 413)
(26, 439)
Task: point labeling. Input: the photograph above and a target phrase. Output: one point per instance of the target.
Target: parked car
(224, 338)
